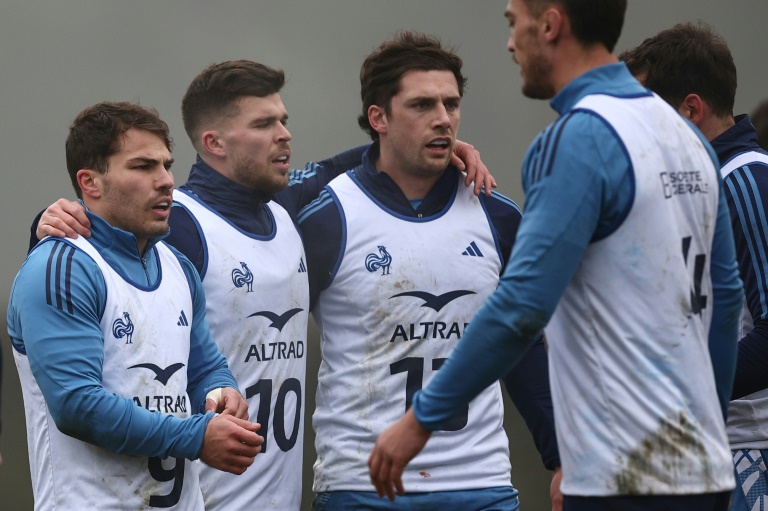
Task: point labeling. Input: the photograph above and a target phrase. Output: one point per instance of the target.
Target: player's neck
(413, 185)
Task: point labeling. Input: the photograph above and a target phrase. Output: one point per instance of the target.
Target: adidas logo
(183, 320)
(473, 250)
(302, 266)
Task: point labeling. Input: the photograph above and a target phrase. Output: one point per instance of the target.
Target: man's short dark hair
(97, 133)
(688, 58)
(759, 117)
(408, 51)
(215, 92)
(592, 21)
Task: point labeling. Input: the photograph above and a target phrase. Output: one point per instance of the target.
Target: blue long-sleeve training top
(561, 219)
(66, 349)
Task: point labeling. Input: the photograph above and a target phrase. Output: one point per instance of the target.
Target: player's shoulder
(58, 273)
(498, 204)
(317, 208)
(503, 202)
(578, 132)
(52, 254)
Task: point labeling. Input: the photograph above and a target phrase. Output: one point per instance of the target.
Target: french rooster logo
(243, 277)
(123, 328)
(373, 261)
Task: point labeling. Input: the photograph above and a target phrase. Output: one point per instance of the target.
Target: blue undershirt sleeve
(505, 217)
(185, 236)
(582, 186)
(321, 228)
(65, 351)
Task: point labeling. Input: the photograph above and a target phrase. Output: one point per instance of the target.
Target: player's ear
(692, 108)
(552, 24)
(90, 182)
(212, 143)
(377, 118)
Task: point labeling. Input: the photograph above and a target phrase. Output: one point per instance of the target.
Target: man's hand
(467, 158)
(227, 401)
(554, 490)
(230, 444)
(64, 218)
(394, 449)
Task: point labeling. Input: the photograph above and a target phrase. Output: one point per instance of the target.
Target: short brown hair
(408, 51)
(96, 134)
(214, 93)
(688, 58)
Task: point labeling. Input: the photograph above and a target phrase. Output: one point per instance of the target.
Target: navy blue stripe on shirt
(552, 151)
(299, 175)
(57, 277)
(68, 281)
(48, 297)
(743, 188)
(506, 200)
(322, 200)
(541, 153)
(53, 276)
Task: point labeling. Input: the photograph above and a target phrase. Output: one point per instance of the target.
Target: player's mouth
(282, 160)
(163, 208)
(440, 145)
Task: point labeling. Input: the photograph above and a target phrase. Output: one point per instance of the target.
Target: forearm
(116, 424)
(486, 351)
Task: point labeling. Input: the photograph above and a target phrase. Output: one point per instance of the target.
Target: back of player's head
(215, 92)
(97, 133)
(592, 21)
(759, 118)
(688, 58)
(408, 51)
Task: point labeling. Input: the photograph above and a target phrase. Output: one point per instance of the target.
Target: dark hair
(96, 134)
(592, 21)
(689, 58)
(214, 93)
(408, 51)
(759, 117)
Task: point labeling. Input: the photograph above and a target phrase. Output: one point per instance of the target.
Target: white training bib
(404, 291)
(629, 337)
(257, 296)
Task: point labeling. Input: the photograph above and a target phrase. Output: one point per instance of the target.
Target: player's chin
(277, 184)
(157, 229)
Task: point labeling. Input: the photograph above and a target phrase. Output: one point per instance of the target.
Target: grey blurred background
(58, 57)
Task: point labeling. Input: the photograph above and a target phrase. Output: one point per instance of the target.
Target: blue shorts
(486, 499)
(701, 502)
(751, 485)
